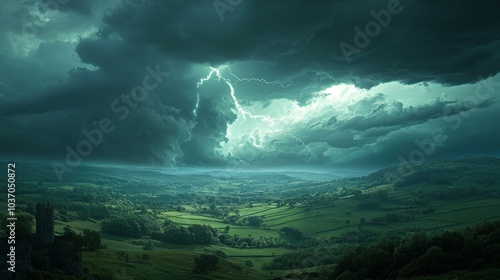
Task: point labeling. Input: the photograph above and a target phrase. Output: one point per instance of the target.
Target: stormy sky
(249, 83)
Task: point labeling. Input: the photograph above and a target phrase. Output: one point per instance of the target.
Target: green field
(246, 216)
(162, 264)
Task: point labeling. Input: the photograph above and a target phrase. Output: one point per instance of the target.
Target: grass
(173, 261)
(163, 264)
(328, 221)
(258, 256)
(77, 226)
(186, 219)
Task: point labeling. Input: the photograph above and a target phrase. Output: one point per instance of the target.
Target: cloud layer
(63, 67)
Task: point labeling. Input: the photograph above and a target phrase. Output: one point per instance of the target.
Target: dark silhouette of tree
(255, 221)
(205, 263)
(91, 239)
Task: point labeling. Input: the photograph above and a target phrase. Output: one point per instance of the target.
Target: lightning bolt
(308, 149)
(296, 138)
(244, 113)
(197, 105)
(278, 82)
(256, 135)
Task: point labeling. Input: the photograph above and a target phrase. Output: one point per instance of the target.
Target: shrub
(205, 263)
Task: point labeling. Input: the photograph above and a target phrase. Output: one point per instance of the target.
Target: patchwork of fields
(321, 222)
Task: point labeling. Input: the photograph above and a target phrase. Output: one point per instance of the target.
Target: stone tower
(44, 223)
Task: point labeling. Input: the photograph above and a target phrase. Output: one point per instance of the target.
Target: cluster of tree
(481, 172)
(30, 188)
(393, 218)
(131, 225)
(205, 263)
(291, 233)
(24, 224)
(92, 194)
(235, 219)
(147, 244)
(305, 257)
(371, 200)
(218, 252)
(422, 254)
(255, 221)
(449, 193)
(213, 210)
(291, 202)
(84, 210)
(193, 234)
(251, 242)
(89, 240)
(380, 195)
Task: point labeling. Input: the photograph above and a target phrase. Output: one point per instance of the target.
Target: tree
(292, 233)
(121, 255)
(143, 208)
(91, 239)
(203, 234)
(411, 247)
(357, 194)
(24, 225)
(226, 229)
(71, 236)
(249, 263)
(381, 195)
(205, 263)
(124, 226)
(220, 254)
(393, 217)
(148, 245)
(255, 221)
(435, 260)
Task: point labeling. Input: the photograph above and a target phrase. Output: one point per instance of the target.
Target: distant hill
(477, 171)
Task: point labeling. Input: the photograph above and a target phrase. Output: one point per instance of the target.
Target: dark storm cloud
(213, 117)
(395, 115)
(82, 7)
(375, 131)
(467, 139)
(57, 84)
(451, 42)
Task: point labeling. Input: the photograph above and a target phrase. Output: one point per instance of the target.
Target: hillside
(259, 227)
(474, 171)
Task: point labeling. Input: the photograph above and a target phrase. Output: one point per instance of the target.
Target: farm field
(257, 226)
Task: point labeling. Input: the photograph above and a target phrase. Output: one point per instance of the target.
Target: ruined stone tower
(44, 223)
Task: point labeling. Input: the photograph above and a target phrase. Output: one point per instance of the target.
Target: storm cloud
(291, 92)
